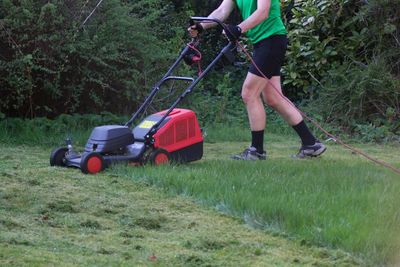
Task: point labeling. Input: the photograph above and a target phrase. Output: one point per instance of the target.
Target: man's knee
(248, 94)
(272, 101)
(246, 97)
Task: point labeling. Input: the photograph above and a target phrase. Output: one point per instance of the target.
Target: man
(262, 23)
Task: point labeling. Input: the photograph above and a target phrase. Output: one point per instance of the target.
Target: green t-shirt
(273, 25)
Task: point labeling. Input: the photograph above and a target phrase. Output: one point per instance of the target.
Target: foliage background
(342, 65)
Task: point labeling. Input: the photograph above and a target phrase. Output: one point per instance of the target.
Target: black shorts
(269, 55)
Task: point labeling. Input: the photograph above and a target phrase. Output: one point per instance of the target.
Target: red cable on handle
(197, 59)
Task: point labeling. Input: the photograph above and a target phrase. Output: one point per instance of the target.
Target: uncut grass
(339, 200)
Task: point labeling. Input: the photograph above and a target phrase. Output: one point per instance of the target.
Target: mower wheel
(159, 156)
(57, 156)
(92, 163)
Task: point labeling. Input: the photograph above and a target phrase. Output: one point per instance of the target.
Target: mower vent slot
(181, 130)
(192, 127)
(167, 138)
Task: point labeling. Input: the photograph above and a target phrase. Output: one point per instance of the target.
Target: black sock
(307, 138)
(257, 140)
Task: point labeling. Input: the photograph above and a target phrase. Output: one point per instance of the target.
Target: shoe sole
(314, 154)
(318, 152)
(239, 158)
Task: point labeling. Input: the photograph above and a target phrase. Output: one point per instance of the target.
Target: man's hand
(195, 30)
(233, 32)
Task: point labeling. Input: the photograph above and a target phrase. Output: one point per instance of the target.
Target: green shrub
(322, 34)
(50, 66)
(344, 53)
(363, 100)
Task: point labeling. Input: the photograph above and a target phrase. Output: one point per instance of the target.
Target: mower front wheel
(92, 163)
(159, 156)
(57, 156)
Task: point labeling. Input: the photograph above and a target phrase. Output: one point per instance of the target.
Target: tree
(49, 65)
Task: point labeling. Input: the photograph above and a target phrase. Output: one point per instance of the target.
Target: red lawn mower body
(180, 135)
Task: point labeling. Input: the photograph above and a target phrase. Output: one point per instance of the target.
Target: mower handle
(205, 19)
(168, 76)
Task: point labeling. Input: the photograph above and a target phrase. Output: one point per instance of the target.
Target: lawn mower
(169, 135)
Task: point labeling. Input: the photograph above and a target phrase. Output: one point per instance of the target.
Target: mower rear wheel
(57, 156)
(92, 163)
(159, 156)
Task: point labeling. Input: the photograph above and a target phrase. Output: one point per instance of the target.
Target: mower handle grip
(205, 19)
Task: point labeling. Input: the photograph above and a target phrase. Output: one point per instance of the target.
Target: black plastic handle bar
(205, 19)
(178, 78)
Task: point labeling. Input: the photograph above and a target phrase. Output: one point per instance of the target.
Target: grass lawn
(55, 216)
(337, 210)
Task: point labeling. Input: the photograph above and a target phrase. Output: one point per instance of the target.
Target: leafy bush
(344, 53)
(322, 35)
(49, 65)
(364, 100)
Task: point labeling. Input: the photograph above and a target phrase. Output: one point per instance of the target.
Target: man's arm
(221, 13)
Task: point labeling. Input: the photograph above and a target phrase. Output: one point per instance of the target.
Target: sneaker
(312, 150)
(250, 154)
